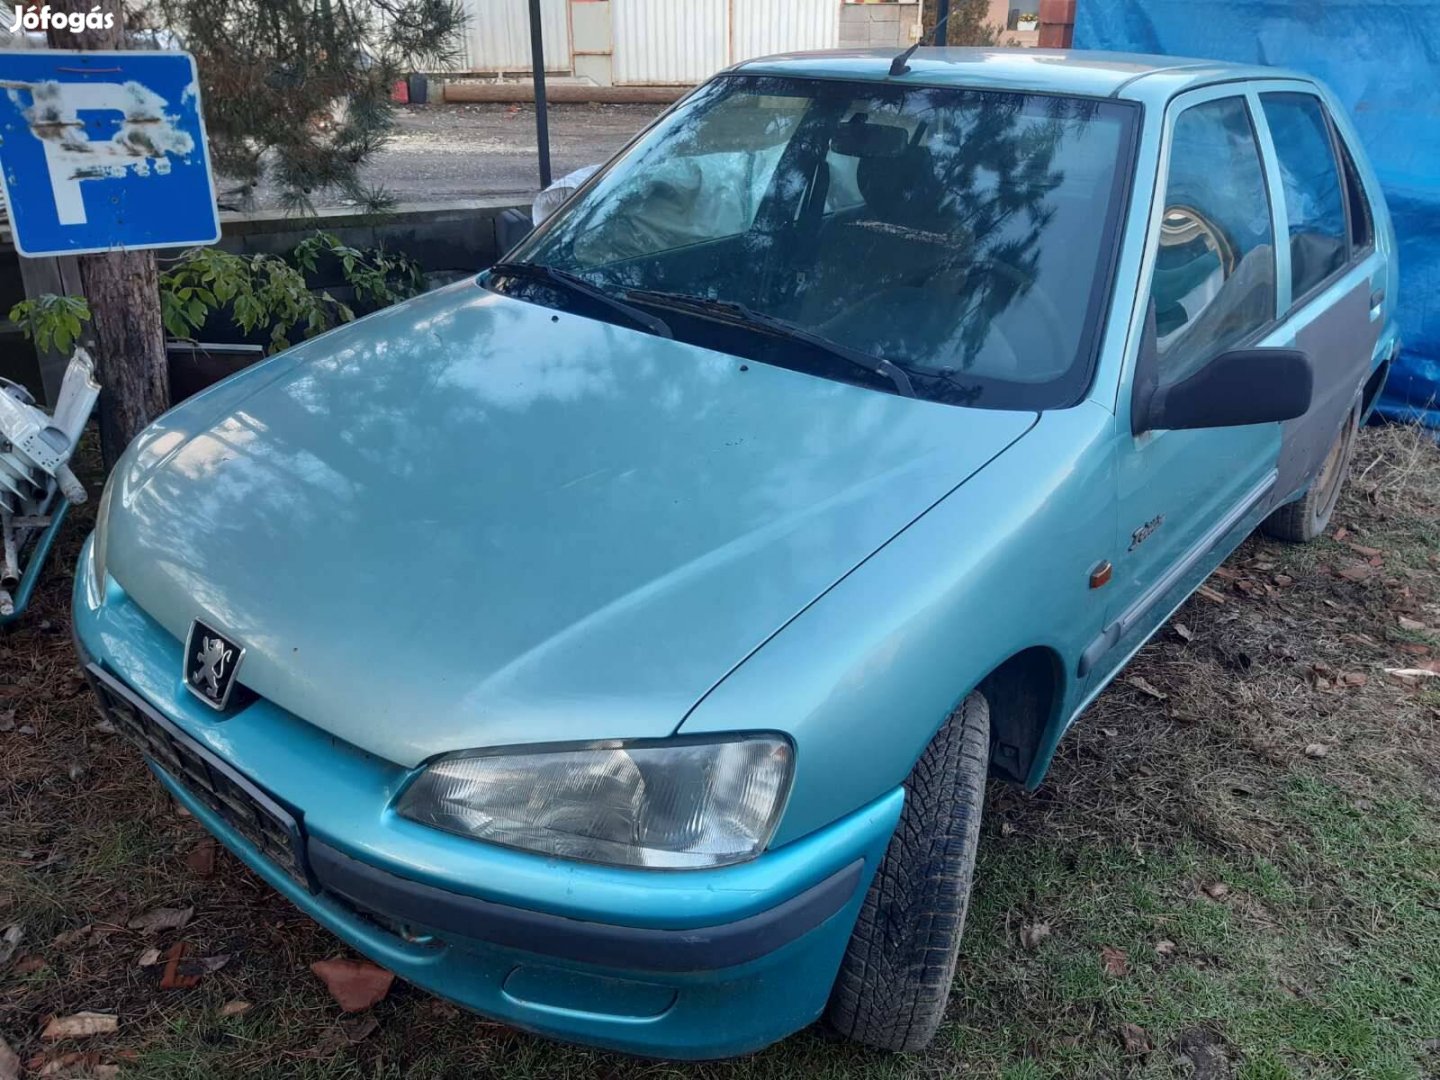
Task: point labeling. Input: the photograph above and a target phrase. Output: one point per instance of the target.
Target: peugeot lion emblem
(211, 660)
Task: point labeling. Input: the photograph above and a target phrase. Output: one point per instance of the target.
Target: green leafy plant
(376, 275)
(266, 290)
(51, 321)
(261, 290)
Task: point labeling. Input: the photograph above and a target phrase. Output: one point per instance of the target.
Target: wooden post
(1057, 24)
(123, 290)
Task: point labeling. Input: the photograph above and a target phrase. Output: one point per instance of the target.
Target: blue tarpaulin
(1382, 59)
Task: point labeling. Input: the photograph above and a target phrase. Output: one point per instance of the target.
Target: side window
(1314, 197)
(1214, 280)
(1362, 224)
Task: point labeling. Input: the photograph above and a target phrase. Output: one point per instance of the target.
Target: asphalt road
(439, 153)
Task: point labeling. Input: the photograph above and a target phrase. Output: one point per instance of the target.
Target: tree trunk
(122, 288)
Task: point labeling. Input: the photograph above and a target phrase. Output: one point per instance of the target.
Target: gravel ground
(439, 153)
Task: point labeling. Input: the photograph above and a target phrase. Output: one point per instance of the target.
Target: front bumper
(677, 964)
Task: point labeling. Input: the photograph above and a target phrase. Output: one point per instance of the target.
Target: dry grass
(1282, 763)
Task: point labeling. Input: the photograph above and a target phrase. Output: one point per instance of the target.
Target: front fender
(863, 678)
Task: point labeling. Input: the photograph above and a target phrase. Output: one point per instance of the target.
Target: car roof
(1135, 76)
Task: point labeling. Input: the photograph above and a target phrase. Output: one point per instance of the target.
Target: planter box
(1026, 26)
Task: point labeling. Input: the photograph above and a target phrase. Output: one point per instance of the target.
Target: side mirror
(1242, 386)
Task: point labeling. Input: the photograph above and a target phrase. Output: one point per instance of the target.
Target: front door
(1185, 496)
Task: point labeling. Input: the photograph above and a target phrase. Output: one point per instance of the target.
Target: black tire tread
(894, 981)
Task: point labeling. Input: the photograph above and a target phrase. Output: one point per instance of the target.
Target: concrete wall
(879, 26)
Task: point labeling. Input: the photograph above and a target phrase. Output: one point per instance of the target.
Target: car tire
(1303, 520)
(895, 978)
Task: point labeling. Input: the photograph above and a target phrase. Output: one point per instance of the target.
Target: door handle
(1377, 298)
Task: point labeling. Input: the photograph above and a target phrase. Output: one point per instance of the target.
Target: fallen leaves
(9, 942)
(356, 985)
(201, 860)
(346, 1031)
(235, 1008)
(78, 1064)
(1410, 624)
(158, 919)
(80, 1025)
(1216, 890)
(1165, 948)
(1183, 632)
(1032, 934)
(182, 974)
(1356, 572)
(1116, 962)
(89, 934)
(1316, 750)
(1146, 688)
(1413, 675)
(1134, 1040)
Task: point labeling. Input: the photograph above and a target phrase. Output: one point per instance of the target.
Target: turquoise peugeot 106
(618, 643)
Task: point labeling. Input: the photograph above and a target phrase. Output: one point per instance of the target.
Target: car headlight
(98, 547)
(678, 804)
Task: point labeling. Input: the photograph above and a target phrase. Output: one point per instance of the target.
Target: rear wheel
(895, 978)
(1307, 517)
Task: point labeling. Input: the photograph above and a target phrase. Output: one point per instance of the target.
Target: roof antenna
(901, 64)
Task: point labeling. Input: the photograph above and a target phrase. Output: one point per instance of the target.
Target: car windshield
(962, 236)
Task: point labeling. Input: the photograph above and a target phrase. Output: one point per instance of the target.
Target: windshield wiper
(574, 283)
(737, 314)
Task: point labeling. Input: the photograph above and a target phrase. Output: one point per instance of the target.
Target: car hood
(473, 521)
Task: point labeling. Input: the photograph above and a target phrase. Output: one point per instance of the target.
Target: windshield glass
(964, 236)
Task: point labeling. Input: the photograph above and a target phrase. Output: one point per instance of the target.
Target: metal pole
(942, 12)
(542, 117)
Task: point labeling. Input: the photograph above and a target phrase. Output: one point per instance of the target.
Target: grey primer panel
(1340, 343)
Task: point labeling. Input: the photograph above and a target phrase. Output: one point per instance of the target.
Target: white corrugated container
(497, 35)
(763, 27)
(669, 42)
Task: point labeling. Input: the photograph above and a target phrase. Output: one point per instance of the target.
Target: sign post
(103, 156)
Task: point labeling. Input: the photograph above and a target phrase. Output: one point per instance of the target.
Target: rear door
(1332, 278)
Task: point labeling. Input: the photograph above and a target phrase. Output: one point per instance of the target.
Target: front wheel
(895, 978)
(1307, 517)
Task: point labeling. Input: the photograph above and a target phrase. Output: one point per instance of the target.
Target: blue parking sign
(101, 151)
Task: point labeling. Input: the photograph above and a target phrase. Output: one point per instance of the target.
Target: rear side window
(1362, 225)
(1314, 195)
(1214, 282)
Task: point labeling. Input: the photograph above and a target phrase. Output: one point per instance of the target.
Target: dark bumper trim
(705, 948)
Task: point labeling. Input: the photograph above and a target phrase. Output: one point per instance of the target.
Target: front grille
(250, 811)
